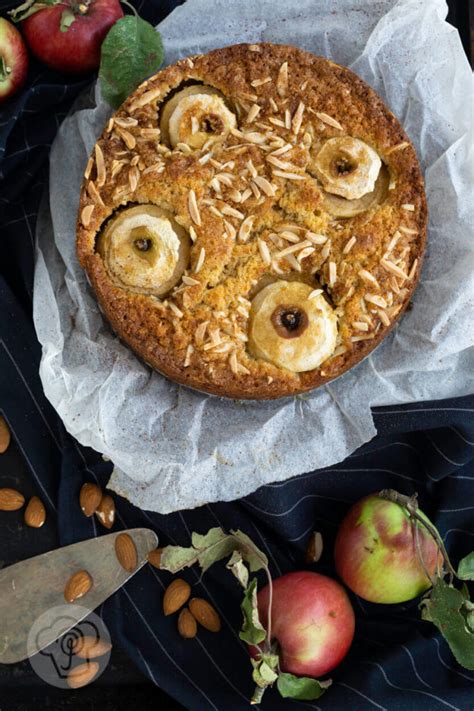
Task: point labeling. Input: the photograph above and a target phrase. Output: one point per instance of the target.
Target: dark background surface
(27, 131)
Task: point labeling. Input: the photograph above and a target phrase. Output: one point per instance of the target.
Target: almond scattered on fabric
(105, 512)
(205, 614)
(176, 595)
(5, 435)
(82, 675)
(89, 498)
(11, 500)
(35, 513)
(187, 625)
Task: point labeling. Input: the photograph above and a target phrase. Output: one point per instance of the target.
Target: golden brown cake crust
(130, 166)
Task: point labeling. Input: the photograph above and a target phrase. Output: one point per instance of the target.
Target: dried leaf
(252, 630)
(466, 568)
(253, 555)
(263, 674)
(239, 569)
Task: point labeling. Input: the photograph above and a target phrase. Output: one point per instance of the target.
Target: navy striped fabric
(397, 661)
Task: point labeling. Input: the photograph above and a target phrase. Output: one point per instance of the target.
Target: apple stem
(257, 695)
(130, 6)
(5, 70)
(410, 504)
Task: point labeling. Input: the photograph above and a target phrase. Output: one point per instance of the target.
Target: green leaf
(301, 687)
(466, 568)
(447, 608)
(131, 52)
(239, 569)
(67, 18)
(252, 630)
(253, 555)
(213, 546)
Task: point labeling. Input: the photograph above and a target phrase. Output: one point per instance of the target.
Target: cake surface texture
(253, 221)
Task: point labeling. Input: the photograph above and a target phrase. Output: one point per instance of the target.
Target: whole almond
(11, 500)
(126, 552)
(77, 586)
(91, 647)
(82, 675)
(314, 549)
(187, 625)
(35, 513)
(176, 595)
(105, 512)
(154, 557)
(5, 436)
(205, 614)
(90, 498)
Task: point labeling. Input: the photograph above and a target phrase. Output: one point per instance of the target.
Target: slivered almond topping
(360, 326)
(407, 230)
(205, 158)
(393, 242)
(375, 299)
(246, 194)
(254, 48)
(225, 178)
(369, 337)
(133, 176)
(117, 166)
(177, 312)
(255, 189)
(245, 228)
(232, 212)
(230, 229)
(280, 151)
(252, 169)
(276, 121)
(194, 125)
(189, 281)
(94, 193)
(288, 176)
(253, 113)
(408, 207)
(127, 138)
(192, 233)
(242, 311)
(215, 185)
(89, 166)
(289, 236)
(150, 133)
(215, 211)
(260, 82)
(265, 185)
(291, 259)
(244, 301)
(287, 119)
(315, 238)
(100, 166)
(254, 137)
(297, 119)
(326, 250)
(349, 244)
(234, 195)
(413, 270)
(200, 261)
(110, 125)
(146, 98)
(126, 121)
(315, 293)
(135, 160)
(305, 253)
(155, 168)
(86, 215)
(367, 276)
(233, 362)
(398, 147)
(393, 268)
(293, 248)
(190, 62)
(282, 80)
(183, 147)
(283, 165)
(200, 333)
(193, 208)
(273, 103)
(332, 273)
(329, 120)
(264, 251)
(383, 317)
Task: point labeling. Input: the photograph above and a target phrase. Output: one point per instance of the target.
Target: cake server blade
(36, 586)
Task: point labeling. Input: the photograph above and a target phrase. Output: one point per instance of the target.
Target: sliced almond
(35, 513)
(77, 586)
(126, 552)
(89, 498)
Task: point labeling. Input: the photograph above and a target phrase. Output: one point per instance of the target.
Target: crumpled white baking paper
(174, 448)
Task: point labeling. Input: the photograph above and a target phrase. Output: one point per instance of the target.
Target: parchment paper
(174, 448)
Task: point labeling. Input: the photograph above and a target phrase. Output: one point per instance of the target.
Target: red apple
(13, 60)
(75, 48)
(376, 553)
(312, 621)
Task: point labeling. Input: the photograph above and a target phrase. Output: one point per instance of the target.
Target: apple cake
(252, 221)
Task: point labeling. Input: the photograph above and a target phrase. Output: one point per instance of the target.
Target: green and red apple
(312, 621)
(377, 555)
(13, 60)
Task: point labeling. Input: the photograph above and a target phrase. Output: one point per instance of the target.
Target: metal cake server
(35, 587)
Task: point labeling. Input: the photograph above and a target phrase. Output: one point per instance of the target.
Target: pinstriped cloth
(397, 661)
